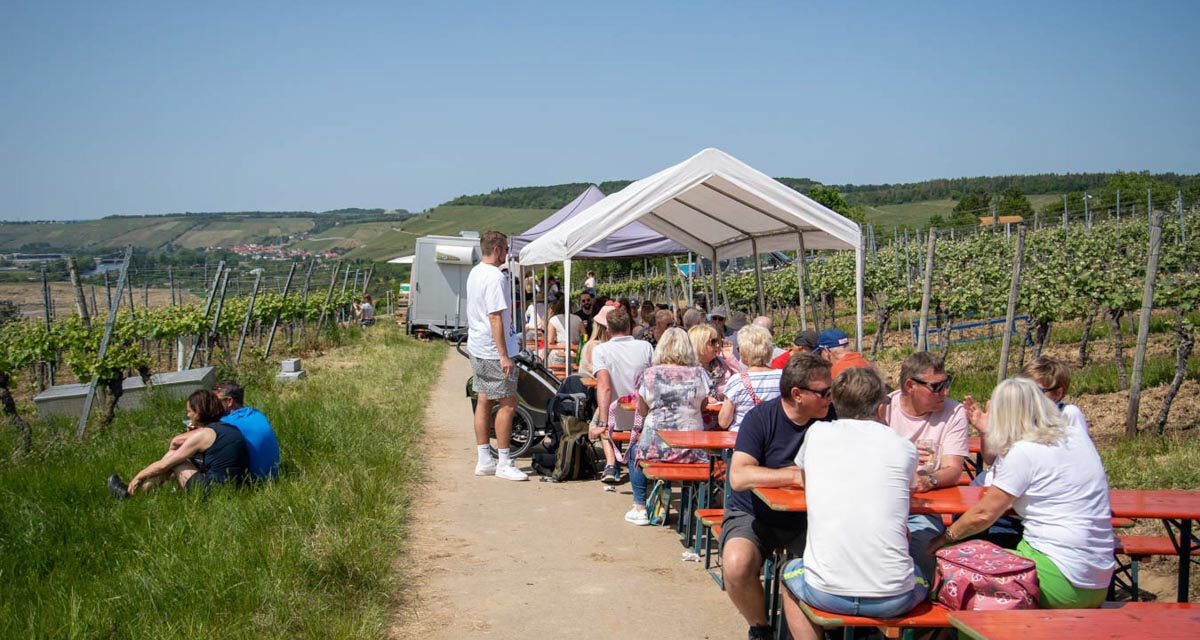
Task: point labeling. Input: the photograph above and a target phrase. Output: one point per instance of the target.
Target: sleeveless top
(228, 458)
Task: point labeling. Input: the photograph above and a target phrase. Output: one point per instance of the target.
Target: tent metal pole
(521, 293)
(566, 293)
(545, 350)
(801, 278)
(716, 274)
(762, 297)
(688, 279)
(858, 294)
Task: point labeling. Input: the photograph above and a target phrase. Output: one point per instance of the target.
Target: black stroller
(536, 386)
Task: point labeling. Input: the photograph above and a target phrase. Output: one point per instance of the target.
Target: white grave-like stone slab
(292, 365)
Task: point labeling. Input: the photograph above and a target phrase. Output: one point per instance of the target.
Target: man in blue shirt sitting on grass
(260, 438)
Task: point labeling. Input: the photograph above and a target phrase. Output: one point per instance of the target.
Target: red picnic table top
(708, 440)
(1126, 503)
(974, 444)
(1120, 620)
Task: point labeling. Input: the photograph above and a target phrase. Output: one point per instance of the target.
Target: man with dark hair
(937, 425)
(491, 342)
(584, 313)
(764, 456)
(805, 342)
(618, 365)
(255, 428)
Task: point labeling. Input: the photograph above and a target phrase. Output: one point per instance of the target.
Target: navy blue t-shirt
(771, 438)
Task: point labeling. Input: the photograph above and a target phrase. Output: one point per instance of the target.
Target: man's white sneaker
(637, 516)
(511, 472)
(486, 468)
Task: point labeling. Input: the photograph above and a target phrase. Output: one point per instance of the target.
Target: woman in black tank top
(211, 452)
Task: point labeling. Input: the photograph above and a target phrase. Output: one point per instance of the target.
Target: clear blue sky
(154, 107)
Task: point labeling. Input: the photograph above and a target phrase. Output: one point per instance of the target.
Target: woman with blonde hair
(756, 384)
(564, 333)
(671, 397)
(1050, 473)
(708, 344)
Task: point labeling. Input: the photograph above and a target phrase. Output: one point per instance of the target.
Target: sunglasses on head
(936, 387)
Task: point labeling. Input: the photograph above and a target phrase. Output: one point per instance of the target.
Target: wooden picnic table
(707, 440)
(1176, 509)
(1114, 620)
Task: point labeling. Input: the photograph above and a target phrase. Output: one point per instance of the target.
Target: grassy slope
(385, 240)
(231, 231)
(918, 213)
(309, 555)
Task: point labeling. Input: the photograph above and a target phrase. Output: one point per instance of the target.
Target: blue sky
(155, 107)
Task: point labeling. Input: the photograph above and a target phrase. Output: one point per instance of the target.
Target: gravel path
(498, 559)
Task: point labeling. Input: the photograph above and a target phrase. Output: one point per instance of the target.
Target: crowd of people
(820, 416)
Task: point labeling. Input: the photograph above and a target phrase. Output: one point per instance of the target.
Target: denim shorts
(882, 607)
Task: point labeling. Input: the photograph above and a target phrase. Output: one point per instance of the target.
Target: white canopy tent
(717, 206)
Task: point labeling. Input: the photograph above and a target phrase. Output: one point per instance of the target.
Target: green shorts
(1057, 591)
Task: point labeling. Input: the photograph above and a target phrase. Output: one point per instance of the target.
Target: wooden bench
(710, 529)
(924, 616)
(1139, 548)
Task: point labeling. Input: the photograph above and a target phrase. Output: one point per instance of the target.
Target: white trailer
(438, 287)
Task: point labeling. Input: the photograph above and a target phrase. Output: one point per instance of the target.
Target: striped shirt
(766, 387)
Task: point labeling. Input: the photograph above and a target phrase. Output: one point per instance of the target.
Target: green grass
(919, 213)
(1148, 462)
(230, 231)
(309, 555)
(386, 240)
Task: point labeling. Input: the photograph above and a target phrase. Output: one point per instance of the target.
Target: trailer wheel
(522, 432)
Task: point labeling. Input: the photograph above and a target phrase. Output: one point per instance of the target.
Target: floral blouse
(676, 397)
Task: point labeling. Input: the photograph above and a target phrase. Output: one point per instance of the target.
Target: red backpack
(979, 576)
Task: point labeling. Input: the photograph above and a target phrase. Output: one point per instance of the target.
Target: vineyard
(219, 329)
(1086, 279)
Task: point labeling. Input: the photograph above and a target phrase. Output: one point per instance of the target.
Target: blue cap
(831, 338)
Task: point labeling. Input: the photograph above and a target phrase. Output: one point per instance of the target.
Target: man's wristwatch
(933, 481)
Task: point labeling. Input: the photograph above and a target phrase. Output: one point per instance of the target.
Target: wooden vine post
(207, 309)
(217, 315)
(926, 293)
(80, 302)
(1139, 359)
(1013, 288)
(108, 329)
(249, 313)
(328, 296)
(275, 322)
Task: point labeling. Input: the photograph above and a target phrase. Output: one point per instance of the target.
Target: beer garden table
(1114, 620)
(1176, 509)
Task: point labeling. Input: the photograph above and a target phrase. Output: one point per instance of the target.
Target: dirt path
(496, 559)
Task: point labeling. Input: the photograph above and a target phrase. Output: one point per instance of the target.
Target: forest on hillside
(556, 196)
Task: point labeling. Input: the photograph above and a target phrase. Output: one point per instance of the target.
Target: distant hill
(555, 196)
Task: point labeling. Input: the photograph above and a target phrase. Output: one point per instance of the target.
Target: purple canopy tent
(635, 239)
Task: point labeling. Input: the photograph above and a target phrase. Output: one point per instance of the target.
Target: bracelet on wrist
(950, 535)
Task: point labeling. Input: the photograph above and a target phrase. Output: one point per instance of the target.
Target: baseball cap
(831, 338)
(719, 312)
(807, 339)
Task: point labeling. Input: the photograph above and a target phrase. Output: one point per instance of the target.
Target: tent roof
(632, 240)
(709, 202)
(402, 260)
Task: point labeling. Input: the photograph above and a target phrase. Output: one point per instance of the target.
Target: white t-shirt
(487, 292)
(625, 358)
(1062, 495)
(857, 481)
(368, 311)
(535, 315)
(589, 283)
(560, 334)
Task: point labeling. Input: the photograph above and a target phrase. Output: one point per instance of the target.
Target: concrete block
(181, 384)
(292, 365)
(67, 399)
(291, 376)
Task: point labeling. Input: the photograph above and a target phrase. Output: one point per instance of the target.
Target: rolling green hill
(383, 240)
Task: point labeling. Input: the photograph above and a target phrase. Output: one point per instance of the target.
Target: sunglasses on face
(936, 387)
(823, 394)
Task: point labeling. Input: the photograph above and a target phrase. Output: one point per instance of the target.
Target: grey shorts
(739, 524)
(489, 380)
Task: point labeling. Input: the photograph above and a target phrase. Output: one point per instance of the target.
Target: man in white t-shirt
(491, 343)
(618, 365)
(937, 425)
(856, 558)
(590, 281)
